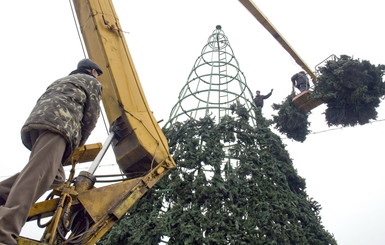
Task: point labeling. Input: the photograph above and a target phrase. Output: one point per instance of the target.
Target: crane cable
(332, 129)
(77, 28)
(318, 132)
(84, 53)
(338, 128)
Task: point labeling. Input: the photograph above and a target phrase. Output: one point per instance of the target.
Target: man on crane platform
(300, 81)
(62, 119)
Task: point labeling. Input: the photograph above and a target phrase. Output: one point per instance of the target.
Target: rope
(318, 132)
(77, 29)
(339, 128)
(84, 51)
(104, 122)
(332, 129)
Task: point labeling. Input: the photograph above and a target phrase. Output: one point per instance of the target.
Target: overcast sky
(344, 168)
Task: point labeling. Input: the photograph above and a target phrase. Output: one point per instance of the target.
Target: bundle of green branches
(352, 90)
(290, 120)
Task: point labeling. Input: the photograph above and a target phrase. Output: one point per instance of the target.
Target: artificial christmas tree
(234, 183)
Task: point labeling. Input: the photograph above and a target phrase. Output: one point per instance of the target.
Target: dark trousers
(18, 193)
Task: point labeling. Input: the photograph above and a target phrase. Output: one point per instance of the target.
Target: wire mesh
(214, 84)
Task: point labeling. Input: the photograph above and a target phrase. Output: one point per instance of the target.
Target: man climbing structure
(62, 119)
(258, 99)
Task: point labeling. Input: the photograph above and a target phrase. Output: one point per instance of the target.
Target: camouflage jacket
(70, 107)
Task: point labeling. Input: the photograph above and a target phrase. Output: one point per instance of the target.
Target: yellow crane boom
(257, 13)
(303, 101)
(123, 96)
(83, 213)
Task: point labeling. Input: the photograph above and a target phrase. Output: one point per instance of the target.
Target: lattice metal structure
(215, 83)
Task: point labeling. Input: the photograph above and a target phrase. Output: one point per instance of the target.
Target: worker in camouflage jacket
(61, 120)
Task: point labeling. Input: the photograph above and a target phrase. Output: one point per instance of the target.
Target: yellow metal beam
(28, 241)
(43, 209)
(305, 103)
(84, 153)
(146, 145)
(257, 13)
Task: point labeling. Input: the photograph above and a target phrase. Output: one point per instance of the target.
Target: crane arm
(140, 147)
(257, 13)
(144, 144)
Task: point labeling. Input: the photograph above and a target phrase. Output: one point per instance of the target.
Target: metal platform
(305, 102)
